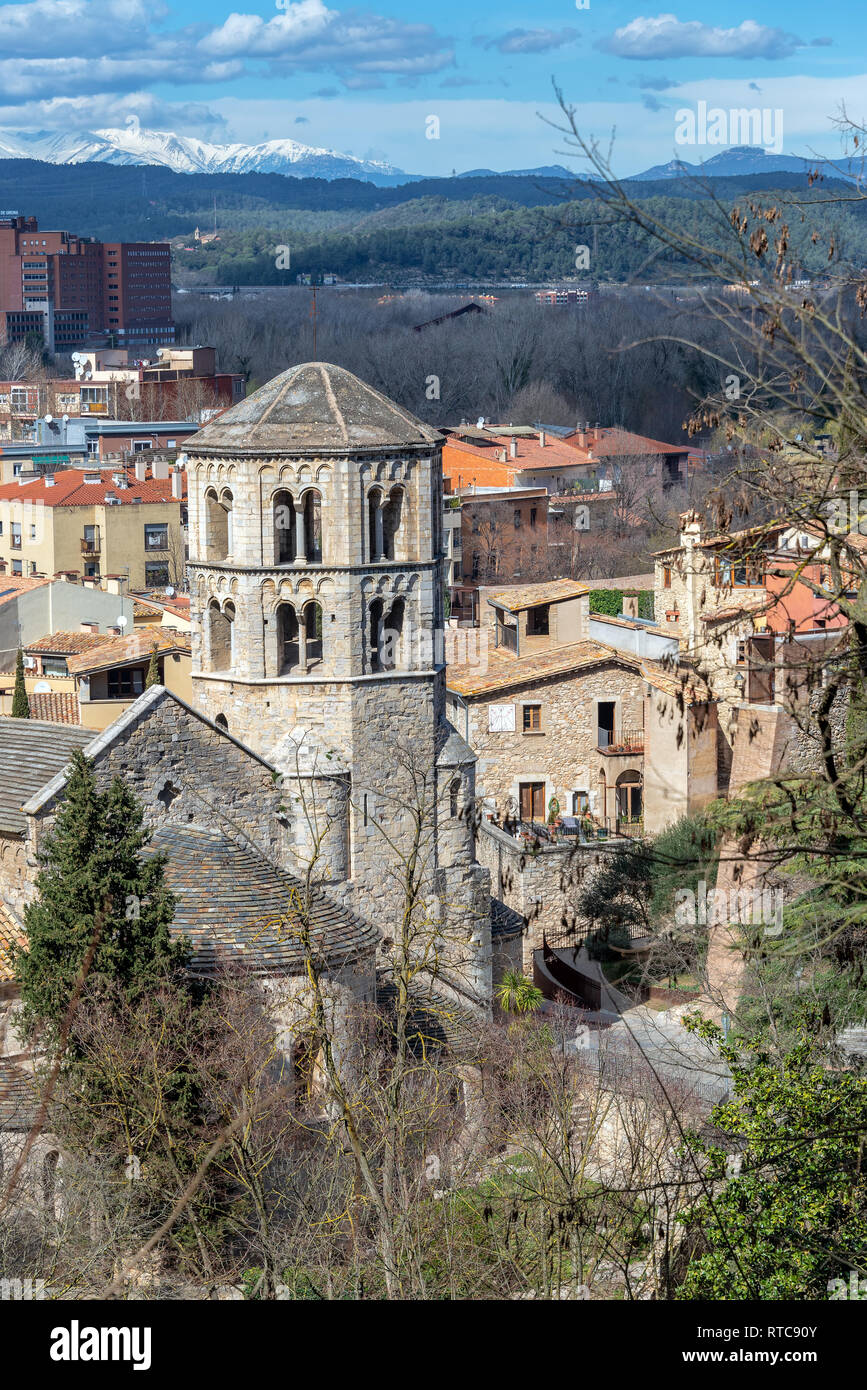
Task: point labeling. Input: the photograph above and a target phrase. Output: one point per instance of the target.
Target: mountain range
(185, 154)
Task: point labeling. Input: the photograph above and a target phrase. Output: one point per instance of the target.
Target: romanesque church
(317, 740)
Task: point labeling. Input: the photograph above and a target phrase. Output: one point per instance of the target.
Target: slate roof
(231, 902)
(311, 406)
(32, 752)
(436, 1022)
(505, 921)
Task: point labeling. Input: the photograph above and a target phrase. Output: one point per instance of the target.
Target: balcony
(628, 741)
(90, 547)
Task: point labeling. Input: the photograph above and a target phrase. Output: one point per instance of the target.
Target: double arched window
(384, 516)
(297, 527)
(299, 637)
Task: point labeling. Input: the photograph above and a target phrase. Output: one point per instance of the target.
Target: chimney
(141, 469)
(513, 447)
(161, 468)
(582, 438)
(113, 583)
(178, 484)
(596, 433)
(503, 456)
(690, 528)
(542, 439)
(89, 625)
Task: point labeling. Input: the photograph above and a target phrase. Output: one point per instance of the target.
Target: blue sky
(365, 79)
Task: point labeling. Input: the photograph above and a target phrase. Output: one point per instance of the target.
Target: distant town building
(70, 290)
(561, 296)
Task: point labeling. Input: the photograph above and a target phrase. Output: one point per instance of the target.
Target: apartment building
(70, 289)
(127, 521)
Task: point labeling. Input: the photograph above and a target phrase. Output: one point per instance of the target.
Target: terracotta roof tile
(55, 706)
(11, 585)
(516, 597)
(501, 670)
(137, 646)
(70, 490)
(68, 643)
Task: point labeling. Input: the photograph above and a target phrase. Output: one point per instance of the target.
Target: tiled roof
(237, 907)
(625, 582)
(56, 707)
(11, 585)
(136, 647)
(505, 921)
(675, 680)
(11, 935)
(67, 643)
(435, 1021)
(617, 443)
(70, 490)
(32, 751)
(519, 596)
(19, 1100)
(636, 624)
(504, 670)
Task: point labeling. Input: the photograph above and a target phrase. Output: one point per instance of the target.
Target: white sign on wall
(501, 719)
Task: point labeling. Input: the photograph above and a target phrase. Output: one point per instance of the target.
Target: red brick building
(71, 289)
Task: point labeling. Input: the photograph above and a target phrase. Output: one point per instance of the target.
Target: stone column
(300, 541)
(379, 545)
(302, 641)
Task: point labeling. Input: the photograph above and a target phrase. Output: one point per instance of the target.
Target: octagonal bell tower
(315, 511)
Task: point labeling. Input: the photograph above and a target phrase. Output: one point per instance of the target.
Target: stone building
(317, 584)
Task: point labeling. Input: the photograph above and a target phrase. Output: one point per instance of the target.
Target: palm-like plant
(516, 994)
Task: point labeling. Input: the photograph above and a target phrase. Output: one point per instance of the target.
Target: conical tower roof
(314, 407)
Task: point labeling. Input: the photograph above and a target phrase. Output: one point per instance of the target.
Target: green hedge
(610, 601)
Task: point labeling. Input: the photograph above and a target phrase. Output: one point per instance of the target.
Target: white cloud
(665, 36)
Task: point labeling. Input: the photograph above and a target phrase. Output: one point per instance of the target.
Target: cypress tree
(153, 675)
(95, 882)
(20, 702)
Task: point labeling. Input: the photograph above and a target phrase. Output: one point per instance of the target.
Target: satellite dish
(42, 688)
(48, 419)
(88, 375)
(170, 593)
(480, 423)
(121, 621)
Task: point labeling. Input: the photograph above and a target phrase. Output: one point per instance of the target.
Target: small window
(532, 719)
(156, 575)
(666, 577)
(742, 654)
(125, 683)
(580, 803)
(517, 518)
(533, 514)
(538, 621)
(156, 537)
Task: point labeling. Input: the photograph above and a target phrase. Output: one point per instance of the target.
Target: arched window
(216, 527)
(220, 635)
(288, 639)
(375, 533)
(391, 518)
(284, 528)
(222, 722)
(454, 793)
(375, 634)
(313, 526)
(312, 621)
(391, 643)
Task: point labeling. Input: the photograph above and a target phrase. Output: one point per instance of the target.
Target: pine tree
(20, 702)
(95, 882)
(153, 676)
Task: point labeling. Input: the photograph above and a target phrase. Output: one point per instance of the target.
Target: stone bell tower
(315, 511)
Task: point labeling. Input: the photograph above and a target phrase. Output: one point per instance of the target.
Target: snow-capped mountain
(744, 159)
(187, 155)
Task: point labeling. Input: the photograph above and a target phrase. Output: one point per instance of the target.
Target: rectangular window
(538, 621)
(16, 567)
(533, 514)
(532, 719)
(156, 574)
(517, 518)
(54, 666)
(125, 682)
(16, 535)
(156, 536)
(666, 577)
